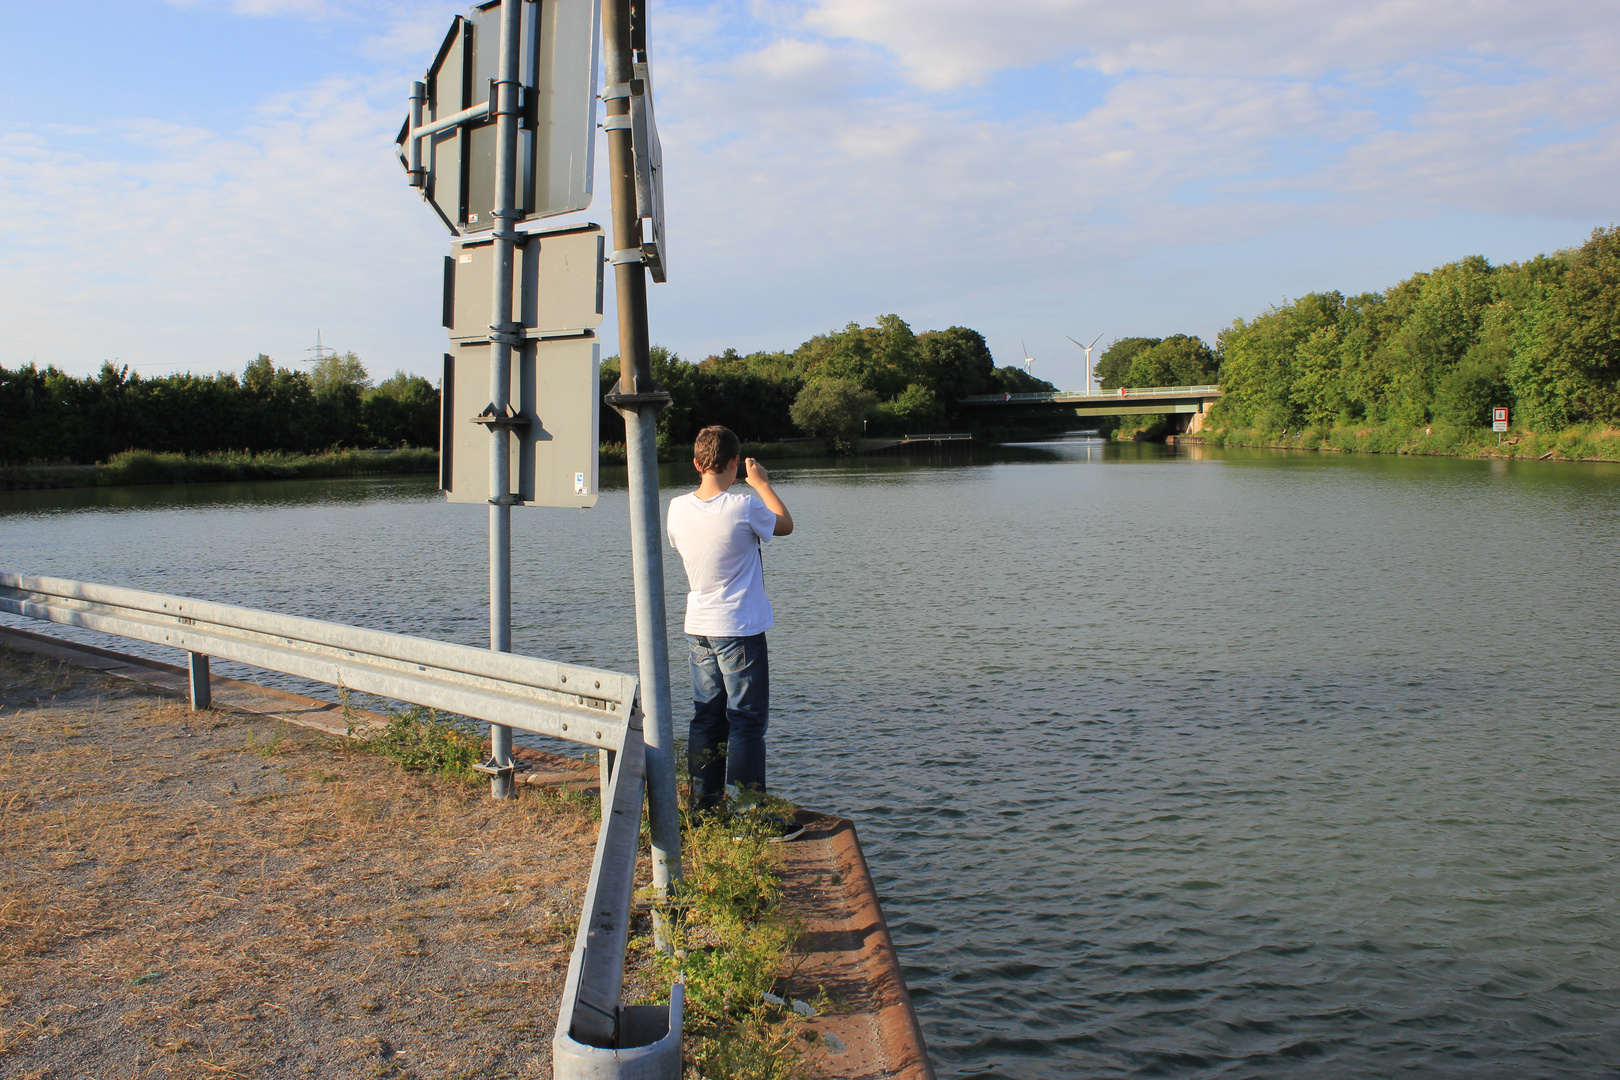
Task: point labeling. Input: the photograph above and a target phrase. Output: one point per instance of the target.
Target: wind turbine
(1089, 372)
(1028, 359)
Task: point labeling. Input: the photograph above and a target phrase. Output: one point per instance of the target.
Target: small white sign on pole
(1499, 418)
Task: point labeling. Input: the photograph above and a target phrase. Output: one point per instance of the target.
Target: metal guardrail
(596, 1036)
(1211, 390)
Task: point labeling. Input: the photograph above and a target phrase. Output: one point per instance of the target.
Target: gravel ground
(219, 894)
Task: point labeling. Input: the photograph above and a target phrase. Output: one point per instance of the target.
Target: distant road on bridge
(1125, 401)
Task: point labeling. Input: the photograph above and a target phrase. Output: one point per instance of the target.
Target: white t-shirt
(719, 541)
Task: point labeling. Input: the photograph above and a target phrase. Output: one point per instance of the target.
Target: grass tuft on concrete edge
(734, 946)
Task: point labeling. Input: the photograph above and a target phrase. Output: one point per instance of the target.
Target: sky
(189, 183)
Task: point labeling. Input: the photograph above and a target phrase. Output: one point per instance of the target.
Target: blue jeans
(731, 707)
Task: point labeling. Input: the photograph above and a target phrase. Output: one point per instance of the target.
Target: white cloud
(172, 246)
(948, 43)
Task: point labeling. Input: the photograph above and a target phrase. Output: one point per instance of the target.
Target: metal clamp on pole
(494, 768)
(631, 88)
(509, 334)
(632, 402)
(418, 175)
(506, 417)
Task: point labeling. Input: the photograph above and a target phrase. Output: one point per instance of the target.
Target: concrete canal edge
(849, 954)
(848, 951)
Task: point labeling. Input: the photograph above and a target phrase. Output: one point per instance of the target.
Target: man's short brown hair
(715, 446)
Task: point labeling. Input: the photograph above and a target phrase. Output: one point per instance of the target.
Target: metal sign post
(499, 417)
(638, 398)
(1499, 421)
(502, 129)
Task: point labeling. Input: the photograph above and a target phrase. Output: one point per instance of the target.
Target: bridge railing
(596, 1035)
(1207, 390)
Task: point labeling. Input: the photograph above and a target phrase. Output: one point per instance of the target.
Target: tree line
(876, 380)
(1541, 337)
(880, 380)
(49, 416)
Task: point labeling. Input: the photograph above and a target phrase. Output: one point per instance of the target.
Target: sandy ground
(219, 894)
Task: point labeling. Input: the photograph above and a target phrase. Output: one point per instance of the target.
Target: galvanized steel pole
(638, 401)
(503, 334)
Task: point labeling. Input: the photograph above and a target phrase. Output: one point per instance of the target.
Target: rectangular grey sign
(555, 387)
(558, 285)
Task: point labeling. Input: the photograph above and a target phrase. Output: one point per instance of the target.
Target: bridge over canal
(1185, 404)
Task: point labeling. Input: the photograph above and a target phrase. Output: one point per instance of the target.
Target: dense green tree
(833, 408)
(917, 411)
(955, 363)
(403, 410)
(1115, 360)
(1015, 380)
(1570, 341)
(338, 370)
(1178, 360)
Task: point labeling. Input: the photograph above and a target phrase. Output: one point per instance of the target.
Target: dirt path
(219, 894)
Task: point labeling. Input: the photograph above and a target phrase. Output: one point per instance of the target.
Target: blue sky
(187, 184)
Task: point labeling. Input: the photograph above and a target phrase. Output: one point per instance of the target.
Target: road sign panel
(1499, 418)
(557, 126)
(564, 118)
(649, 174)
(556, 389)
(559, 283)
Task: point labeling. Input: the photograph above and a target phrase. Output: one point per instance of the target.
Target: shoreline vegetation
(134, 467)
(1433, 354)
(1594, 442)
(139, 467)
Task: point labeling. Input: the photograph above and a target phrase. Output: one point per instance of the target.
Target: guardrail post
(202, 692)
(650, 1046)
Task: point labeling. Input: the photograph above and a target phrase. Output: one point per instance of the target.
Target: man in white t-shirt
(719, 535)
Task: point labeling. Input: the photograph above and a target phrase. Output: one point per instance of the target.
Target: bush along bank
(1593, 442)
(145, 467)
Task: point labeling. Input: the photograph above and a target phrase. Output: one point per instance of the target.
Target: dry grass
(217, 895)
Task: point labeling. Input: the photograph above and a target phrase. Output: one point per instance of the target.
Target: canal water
(1246, 764)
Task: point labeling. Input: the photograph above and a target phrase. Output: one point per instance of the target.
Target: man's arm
(760, 481)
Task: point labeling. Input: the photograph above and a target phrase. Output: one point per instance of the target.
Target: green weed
(423, 741)
(731, 944)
